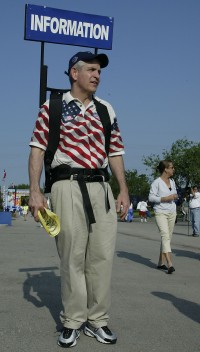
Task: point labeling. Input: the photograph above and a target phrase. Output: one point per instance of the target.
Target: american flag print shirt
(82, 140)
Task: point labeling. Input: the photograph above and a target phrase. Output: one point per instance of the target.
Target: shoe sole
(66, 345)
(90, 333)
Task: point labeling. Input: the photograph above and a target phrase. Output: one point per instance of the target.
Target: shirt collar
(68, 98)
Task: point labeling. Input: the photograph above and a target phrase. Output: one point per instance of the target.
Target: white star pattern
(69, 111)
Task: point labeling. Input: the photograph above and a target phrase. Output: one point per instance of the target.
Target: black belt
(88, 178)
(82, 176)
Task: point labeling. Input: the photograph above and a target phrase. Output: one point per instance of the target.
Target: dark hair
(163, 164)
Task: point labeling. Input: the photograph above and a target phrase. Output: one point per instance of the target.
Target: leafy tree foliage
(20, 186)
(138, 185)
(185, 156)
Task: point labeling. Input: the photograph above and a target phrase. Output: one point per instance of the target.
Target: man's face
(88, 76)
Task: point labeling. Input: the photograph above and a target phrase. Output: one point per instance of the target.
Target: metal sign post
(43, 77)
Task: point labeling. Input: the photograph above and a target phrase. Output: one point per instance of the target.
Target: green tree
(186, 159)
(20, 186)
(138, 185)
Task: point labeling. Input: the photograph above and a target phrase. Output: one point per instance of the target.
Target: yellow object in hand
(50, 221)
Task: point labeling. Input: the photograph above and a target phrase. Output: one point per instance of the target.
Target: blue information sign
(51, 25)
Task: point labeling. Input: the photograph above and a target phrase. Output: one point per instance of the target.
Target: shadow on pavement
(43, 290)
(136, 258)
(187, 254)
(188, 308)
(180, 234)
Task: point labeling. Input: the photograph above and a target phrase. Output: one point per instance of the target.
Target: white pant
(165, 223)
(86, 253)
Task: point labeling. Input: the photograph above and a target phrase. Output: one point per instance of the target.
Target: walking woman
(163, 194)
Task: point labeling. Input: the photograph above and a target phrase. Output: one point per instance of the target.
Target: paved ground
(151, 310)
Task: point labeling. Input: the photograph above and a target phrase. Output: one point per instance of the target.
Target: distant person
(20, 210)
(142, 208)
(129, 216)
(194, 205)
(185, 209)
(163, 194)
(25, 212)
(148, 212)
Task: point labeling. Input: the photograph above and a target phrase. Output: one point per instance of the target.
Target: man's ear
(74, 73)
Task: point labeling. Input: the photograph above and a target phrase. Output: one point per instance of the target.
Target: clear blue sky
(152, 81)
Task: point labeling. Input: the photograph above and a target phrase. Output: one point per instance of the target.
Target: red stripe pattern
(82, 140)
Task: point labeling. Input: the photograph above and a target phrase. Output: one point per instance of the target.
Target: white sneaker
(103, 334)
(68, 337)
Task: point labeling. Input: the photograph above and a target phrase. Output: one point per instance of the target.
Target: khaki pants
(165, 223)
(86, 254)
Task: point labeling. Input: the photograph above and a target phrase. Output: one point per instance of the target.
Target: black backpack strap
(55, 113)
(103, 113)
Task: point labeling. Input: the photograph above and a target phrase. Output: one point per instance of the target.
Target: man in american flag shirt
(86, 248)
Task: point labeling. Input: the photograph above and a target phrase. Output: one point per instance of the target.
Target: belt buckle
(88, 178)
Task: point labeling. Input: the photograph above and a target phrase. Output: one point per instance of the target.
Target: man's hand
(37, 201)
(122, 204)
